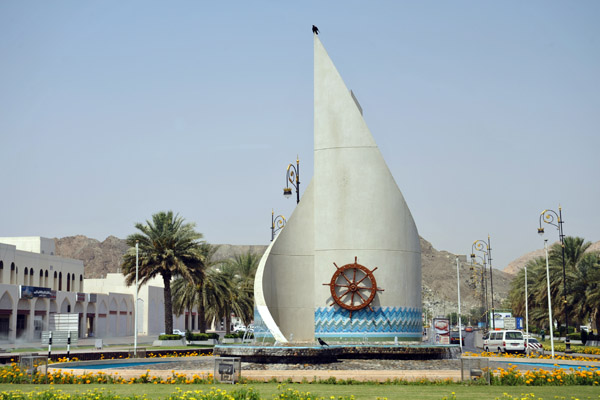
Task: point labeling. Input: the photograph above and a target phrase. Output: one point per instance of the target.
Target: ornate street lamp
(277, 223)
(293, 177)
(486, 249)
(550, 217)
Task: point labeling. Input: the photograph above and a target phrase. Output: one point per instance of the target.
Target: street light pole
(277, 223)
(548, 217)
(526, 315)
(484, 298)
(458, 290)
(549, 301)
(486, 249)
(293, 177)
(135, 340)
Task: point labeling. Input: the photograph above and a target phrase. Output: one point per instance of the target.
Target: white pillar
(549, 300)
(459, 319)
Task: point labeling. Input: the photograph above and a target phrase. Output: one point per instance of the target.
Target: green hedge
(202, 336)
(239, 335)
(169, 337)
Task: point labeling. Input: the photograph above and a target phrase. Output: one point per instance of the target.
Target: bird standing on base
(315, 30)
(322, 342)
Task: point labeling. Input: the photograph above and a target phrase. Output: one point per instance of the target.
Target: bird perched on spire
(315, 30)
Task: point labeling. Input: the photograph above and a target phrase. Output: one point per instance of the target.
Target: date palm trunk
(168, 304)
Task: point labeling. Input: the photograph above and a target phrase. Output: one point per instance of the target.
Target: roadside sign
(510, 323)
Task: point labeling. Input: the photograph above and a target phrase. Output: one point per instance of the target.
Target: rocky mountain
(438, 269)
(516, 265)
(439, 282)
(99, 258)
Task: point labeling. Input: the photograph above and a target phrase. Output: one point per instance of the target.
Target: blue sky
(486, 113)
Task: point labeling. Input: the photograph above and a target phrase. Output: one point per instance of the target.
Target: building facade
(35, 283)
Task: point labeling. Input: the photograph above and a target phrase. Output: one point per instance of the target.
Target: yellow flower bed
(531, 356)
(539, 377)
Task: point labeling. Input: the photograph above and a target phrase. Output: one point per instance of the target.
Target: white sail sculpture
(348, 262)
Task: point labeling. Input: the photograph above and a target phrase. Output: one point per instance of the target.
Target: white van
(505, 341)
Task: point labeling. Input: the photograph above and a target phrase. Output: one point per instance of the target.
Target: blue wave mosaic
(381, 322)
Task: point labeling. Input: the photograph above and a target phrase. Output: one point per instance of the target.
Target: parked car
(455, 338)
(469, 329)
(533, 346)
(486, 339)
(505, 341)
(176, 332)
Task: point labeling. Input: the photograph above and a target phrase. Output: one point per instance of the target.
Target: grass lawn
(360, 392)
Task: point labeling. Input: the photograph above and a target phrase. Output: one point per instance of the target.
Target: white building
(151, 303)
(35, 283)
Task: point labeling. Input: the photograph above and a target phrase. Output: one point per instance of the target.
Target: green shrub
(575, 336)
(239, 335)
(202, 336)
(169, 337)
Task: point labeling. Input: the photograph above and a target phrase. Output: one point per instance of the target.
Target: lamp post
(293, 177)
(277, 223)
(459, 319)
(137, 242)
(484, 299)
(526, 315)
(549, 217)
(486, 249)
(549, 301)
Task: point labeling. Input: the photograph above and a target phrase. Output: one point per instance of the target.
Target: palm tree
(586, 279)
(574, 250)
(168, 247)
(188, 294)
(537, 299)
(244, 267)
(217, 292)
(592, 293)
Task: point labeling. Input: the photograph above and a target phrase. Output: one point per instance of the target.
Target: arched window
(81, 283)
(68, 283)
(55, 281)
(60, 281)
(1, 271)
(46, 278)
(12, 273)
(31, 276)
(41, 282)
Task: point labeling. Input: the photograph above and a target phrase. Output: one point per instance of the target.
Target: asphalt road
(469, 341)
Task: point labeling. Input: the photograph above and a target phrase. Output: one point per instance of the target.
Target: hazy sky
(486, 113)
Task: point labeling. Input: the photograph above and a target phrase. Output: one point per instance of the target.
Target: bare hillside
(516, 265)
(439, 268)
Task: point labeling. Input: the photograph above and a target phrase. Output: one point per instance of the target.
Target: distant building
(35, 283)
